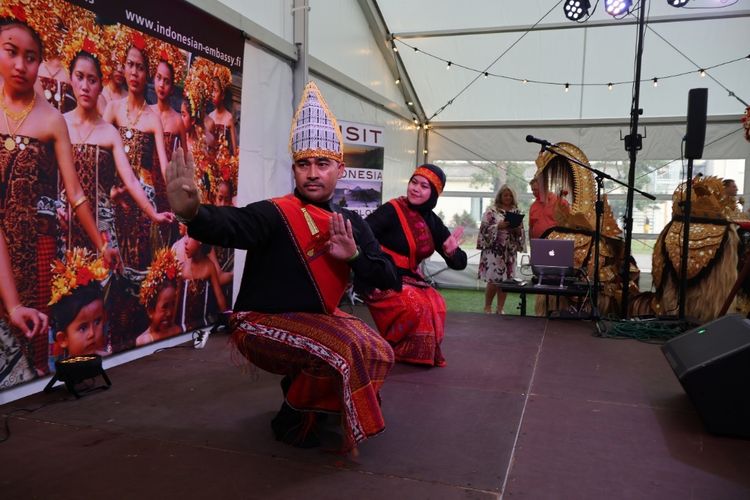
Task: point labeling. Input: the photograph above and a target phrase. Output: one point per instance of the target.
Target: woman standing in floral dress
(499, 244)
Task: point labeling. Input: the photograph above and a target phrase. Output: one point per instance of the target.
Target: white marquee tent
(529, 52)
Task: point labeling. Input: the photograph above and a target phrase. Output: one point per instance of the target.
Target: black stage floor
(526, 408)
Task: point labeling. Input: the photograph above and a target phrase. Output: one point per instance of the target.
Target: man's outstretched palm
(182, 192)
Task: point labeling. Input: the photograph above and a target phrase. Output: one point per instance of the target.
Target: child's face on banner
(191, 247)
(85, 334)
(223, 195)
(162, 317)
(163, 81)
(218, 95)
(135, 71)
(19, 58)
(86, 83)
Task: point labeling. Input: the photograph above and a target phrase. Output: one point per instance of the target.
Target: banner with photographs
(361, 188)
(96, 98)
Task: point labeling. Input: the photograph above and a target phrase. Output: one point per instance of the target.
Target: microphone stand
(599, 176)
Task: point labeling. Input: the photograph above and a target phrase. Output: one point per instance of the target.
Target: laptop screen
(551, 256)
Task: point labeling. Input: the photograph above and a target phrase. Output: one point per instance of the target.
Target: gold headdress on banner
(173, 56)
(198, 84)
(90, 40)
(315, 132)
(120, 38)
(226, 168)
(55, 22)
(224, 75)
(80, 268)
(164, 267)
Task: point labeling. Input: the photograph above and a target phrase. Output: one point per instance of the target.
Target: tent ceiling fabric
(590, 55)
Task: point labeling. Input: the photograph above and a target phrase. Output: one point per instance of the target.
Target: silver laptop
(551, 258)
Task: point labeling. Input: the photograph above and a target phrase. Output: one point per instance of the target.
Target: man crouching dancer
(301, 249)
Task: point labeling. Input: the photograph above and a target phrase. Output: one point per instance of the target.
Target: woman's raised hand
(453, 241)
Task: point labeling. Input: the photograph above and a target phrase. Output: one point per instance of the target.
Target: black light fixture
(76, 369)
(677, 3)
(617, 7)
(576, 9)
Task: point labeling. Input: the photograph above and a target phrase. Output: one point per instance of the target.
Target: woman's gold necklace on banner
(11, 142)
(82, 144)
(132, 123)
(47, 92)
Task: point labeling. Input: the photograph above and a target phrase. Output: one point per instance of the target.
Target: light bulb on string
(486, 74)
(656, 82)
(702, 72)
(609, 86)
(449, 65)
(398, 80)
(525, 81)
(567, 87)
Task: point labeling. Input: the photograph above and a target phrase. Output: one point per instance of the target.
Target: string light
(656, 82)
(398, 80)
(567, 87)
(393, 46)
(609, 85)
(410, 103)
(424, 151)
(416, 122)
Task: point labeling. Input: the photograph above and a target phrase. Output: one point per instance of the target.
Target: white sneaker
(201, 337)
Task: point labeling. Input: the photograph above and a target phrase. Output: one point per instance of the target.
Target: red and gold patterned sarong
(336, 362)
(412, 321)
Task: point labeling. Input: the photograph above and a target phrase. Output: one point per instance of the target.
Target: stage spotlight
(677, 3)
(576, 9)
(617, 7)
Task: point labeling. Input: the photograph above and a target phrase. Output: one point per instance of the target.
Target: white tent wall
(275, 16)
(265, 164)
(340, 37)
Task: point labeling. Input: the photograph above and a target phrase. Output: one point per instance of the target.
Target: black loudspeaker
(695, 135)
(712, 363)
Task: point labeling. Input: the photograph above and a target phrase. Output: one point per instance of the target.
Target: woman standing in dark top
(413, 319)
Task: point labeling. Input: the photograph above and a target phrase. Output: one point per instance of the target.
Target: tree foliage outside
(464, 219)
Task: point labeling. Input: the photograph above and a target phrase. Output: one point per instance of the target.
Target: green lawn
(473, 301)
